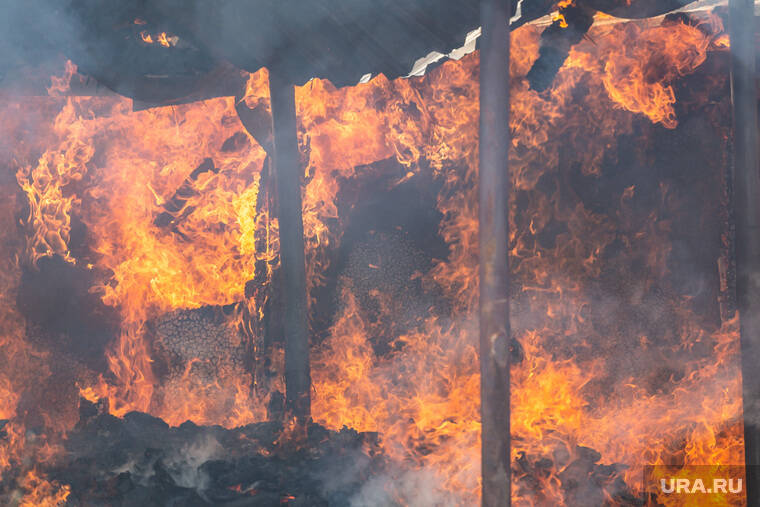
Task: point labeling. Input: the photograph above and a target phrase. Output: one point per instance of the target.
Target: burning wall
(618, 225)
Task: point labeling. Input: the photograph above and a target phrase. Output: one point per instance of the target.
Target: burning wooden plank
(288, 174)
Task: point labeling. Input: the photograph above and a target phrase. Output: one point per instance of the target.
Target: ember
(147, 351)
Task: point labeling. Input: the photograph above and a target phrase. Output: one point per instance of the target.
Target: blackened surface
(556, 42)
(55, 298)
(288, 176)
(138, 460)
(390, 237)
(747, 213)
(201, 344)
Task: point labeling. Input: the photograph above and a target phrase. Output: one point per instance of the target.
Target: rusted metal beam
(288, 173)
(747, 216)
(494, 268)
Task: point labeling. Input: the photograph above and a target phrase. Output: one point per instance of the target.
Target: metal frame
(494, 267)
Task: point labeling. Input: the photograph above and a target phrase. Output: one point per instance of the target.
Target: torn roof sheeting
(343, 40)
(340, 40)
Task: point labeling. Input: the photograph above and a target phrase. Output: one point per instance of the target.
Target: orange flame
(162, 38)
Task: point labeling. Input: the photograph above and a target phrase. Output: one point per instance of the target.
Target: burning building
(241, 252)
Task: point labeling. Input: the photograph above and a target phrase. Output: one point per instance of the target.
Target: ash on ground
(139, 460)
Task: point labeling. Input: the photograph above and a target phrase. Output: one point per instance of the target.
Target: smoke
(415, 488)
(184, 465)
(344, 473)
(35, 32)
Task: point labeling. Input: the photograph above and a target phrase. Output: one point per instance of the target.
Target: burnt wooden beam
(494, 268)
(556, 42)
(257, 121)
(747, 216)
(174, 209)
(287, 175)
(147, 91)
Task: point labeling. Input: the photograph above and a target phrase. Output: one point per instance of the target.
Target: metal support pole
(494, 269)
(747, 213)
(288, 171)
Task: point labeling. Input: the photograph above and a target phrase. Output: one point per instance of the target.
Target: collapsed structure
(256, 170)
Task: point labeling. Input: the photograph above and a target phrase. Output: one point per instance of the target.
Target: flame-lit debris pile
(584, 481)
(202, 344)
(387, 264)
(138, 460)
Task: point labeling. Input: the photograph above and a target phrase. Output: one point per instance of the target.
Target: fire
(175, 205)
(151, 269)
(162, 38)
(429, 412)
(18, 448)
(41, 493)
(639, 77)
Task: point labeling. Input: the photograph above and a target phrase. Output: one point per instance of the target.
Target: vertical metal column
(747, 211)
(288, 171)
(494, 269)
